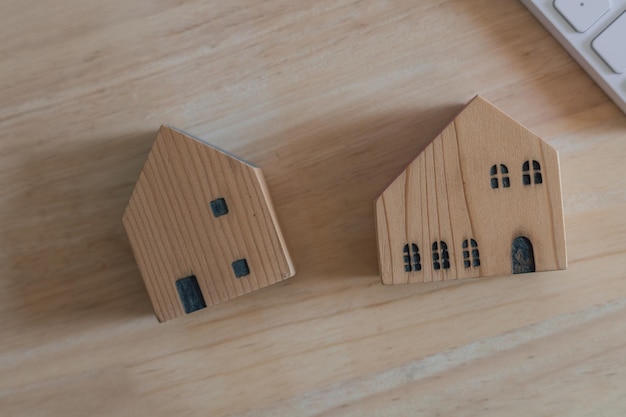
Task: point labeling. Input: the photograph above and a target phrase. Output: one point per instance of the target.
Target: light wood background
(331, 98)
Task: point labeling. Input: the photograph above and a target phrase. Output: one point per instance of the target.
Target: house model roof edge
(214, 147)
(451, 120)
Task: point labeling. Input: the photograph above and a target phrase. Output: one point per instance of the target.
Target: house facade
(482, 199)
(202, 226)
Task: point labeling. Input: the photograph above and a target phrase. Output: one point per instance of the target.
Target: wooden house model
(482, 199)
(202, 227)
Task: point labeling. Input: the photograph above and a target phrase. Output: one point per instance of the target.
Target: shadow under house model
(202, 227)
(482, 199)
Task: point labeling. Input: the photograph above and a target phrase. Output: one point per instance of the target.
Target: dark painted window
(441, 257)
(471, 256)
(499, 176)
(412, 259)
(240, 268)
(531, 176)
(219, 207)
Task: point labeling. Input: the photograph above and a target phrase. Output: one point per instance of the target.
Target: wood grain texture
(175, 233)
(333, 99)
(483, 187)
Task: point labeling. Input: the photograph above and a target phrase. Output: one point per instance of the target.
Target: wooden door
(522, 257)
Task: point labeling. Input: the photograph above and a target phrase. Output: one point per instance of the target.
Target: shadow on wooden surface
(74, 261)
(325, 176)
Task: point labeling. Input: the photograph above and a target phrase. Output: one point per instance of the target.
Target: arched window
(501, 177)
(474, 260)
(536, 173)
(414, 262)
(441, 257)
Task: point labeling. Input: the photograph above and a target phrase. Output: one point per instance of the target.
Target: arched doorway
(522, 257)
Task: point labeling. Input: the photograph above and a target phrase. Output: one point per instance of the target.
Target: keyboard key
(582, 14)
(611, 45)
(600, 59)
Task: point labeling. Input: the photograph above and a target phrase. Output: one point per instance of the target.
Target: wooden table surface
(331, 98)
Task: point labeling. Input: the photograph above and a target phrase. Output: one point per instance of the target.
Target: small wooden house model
(202, 227)
(482, 199)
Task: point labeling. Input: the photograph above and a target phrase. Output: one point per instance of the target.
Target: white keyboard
(594, 33)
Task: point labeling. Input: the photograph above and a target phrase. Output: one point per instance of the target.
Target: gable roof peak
(212, 147)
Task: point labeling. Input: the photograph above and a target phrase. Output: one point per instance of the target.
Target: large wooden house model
(482, 199)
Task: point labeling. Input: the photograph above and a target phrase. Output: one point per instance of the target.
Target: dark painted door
(522, 257)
